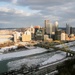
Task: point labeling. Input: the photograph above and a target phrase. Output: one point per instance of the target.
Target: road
(49, 68)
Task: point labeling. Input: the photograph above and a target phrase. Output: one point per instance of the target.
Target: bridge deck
(63, 49)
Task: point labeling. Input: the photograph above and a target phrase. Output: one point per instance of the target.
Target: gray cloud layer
(62, 11)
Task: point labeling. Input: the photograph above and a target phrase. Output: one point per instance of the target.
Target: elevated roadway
(68, 51)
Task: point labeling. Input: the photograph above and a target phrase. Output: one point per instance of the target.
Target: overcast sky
(24, 13)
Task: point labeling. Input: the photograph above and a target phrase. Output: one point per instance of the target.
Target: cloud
(62, 11)
(14, 1)
(18, 18)
(14, 11)
(39, 4)
(5, 22)
(6, 0)
(42, 4)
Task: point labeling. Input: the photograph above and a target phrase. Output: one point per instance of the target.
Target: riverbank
(14, 47)
(48, 45)
(6, 44)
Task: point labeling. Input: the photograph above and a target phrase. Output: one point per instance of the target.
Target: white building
(18, 34)
(46, 24)
(49, 29)
(27, 32)
(63, 36)
(32, 29)
(15, 37)
(56, 25)
(26, 36)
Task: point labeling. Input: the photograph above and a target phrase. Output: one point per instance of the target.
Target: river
(16, 63)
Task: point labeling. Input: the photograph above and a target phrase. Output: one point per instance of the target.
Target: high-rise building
(71, 30)
(39, 34)
(58, 35)
(56, 25)
(53, 29)
(46, 24)
(67, 29)
(49, 29)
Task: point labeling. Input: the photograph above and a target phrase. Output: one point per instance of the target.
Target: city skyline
(23, 13)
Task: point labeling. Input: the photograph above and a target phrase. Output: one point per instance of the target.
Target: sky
(24, 13)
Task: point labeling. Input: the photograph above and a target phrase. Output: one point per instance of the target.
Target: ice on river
(22, 53)
(55, 57)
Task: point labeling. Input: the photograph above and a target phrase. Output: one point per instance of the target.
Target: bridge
(64, 49)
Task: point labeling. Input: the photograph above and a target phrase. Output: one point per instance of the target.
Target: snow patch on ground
(66, 44)
(38, 60)
(30, 61)
(54, 58)
(18, 64)
(22, 53)
(4, 40)
(72, 48)
(7, 48)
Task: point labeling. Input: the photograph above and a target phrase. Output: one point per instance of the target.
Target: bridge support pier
(69, 54)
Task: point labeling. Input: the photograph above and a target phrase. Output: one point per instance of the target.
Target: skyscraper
(56, 26)
(67, 29)
(58, 35)
(46, 24)
(53, 28)
(71, 30)
(49, 29)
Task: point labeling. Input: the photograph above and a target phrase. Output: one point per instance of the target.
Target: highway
(48, 68)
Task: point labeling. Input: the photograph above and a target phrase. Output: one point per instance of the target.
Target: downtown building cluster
(56, 33)
(50, 32)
